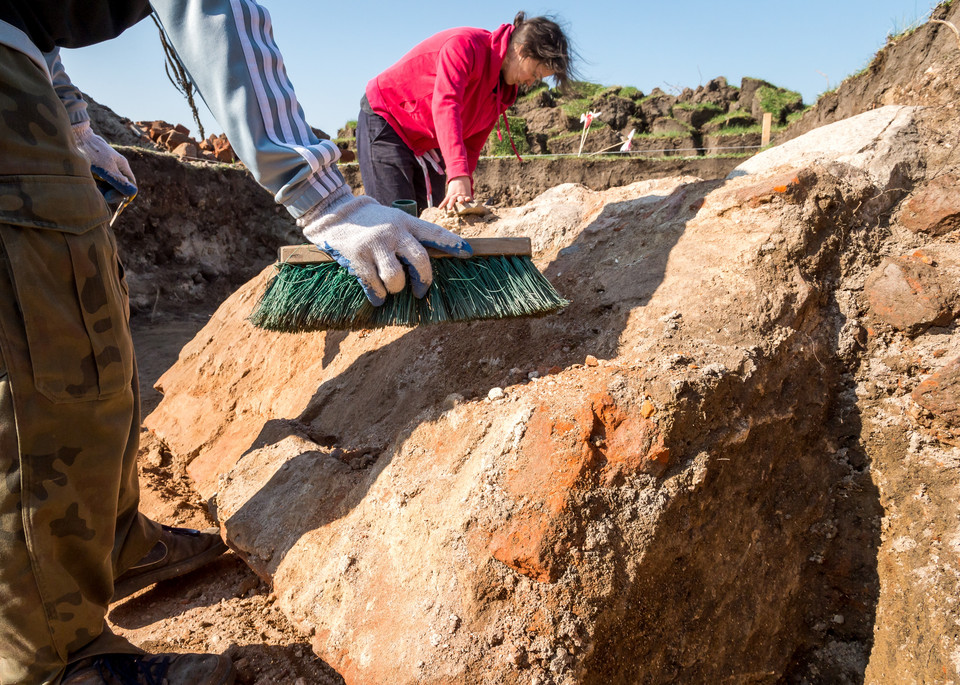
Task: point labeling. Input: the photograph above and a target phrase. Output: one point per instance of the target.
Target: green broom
(312, 292)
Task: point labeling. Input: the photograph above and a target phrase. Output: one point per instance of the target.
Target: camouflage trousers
(69, 403)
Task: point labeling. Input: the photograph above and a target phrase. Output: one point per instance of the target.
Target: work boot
(151, 669)
(179, 551)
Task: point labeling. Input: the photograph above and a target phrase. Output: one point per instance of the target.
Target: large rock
(427, 513)
(905, 293)
(657, 104)
(882, 142)
(934, 209)
(615, 111)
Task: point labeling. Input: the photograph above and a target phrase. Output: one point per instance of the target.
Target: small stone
(451, 401)
(838, 619)
(533, 374)
(496, 394)
(186, 150)
(714, 370)
(591, 361)
(647, 409)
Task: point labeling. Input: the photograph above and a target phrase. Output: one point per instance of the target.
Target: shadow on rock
(357, 420)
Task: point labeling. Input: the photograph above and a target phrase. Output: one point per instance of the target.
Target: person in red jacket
(447, 94)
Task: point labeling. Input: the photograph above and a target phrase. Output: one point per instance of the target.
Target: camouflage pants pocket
(74, 311)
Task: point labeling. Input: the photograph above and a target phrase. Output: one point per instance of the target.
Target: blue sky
(332, 49)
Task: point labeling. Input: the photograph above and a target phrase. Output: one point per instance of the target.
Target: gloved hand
(105, 163)
(371, 241)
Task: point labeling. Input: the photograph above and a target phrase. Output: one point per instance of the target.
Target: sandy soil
(225, 607)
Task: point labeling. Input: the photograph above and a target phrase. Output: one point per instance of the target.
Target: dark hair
(542, 39)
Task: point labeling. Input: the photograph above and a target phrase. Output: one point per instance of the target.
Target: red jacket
(446, 92)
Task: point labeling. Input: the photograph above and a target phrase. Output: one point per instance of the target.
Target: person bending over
(424, 121)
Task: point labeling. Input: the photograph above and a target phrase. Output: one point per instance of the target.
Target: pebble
(591, 360)
(714, 370)
(452, 400)
(496, 394)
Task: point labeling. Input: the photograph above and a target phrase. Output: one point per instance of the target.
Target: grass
(726, 116)
(653, 96)
(664, 134)
(518, 129)
(585, 89)
(777, 101)
(576, 134)
(903, 27)
(630, 92)
(574, 108)
(795, 116)
(696, 106)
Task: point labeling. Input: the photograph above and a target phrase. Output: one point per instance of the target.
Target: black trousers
(388, 168)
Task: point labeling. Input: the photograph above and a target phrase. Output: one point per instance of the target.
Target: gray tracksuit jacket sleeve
(228, 49)
(68, 93)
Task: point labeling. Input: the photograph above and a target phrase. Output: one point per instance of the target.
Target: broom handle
(482, 247)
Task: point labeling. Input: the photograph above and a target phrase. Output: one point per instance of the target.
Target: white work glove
(106, 163)
(374, 243)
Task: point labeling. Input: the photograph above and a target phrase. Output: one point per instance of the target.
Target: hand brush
(312, 292)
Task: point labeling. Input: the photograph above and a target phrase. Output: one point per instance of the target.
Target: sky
(331, 50)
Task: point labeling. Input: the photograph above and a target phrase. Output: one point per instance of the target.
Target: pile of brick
(176, 139)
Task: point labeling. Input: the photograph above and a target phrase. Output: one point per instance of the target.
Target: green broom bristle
(310, 297)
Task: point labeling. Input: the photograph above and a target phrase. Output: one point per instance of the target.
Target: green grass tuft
(585, 89)
(778, 100)
(312, 297)
(518, 130)
(663, 134)
(697, 106)
(574, 108)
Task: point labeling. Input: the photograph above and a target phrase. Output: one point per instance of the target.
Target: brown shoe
(179, 551)
(151, 669)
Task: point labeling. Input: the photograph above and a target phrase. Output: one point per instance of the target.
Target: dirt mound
(855, 464)
(489, 502)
